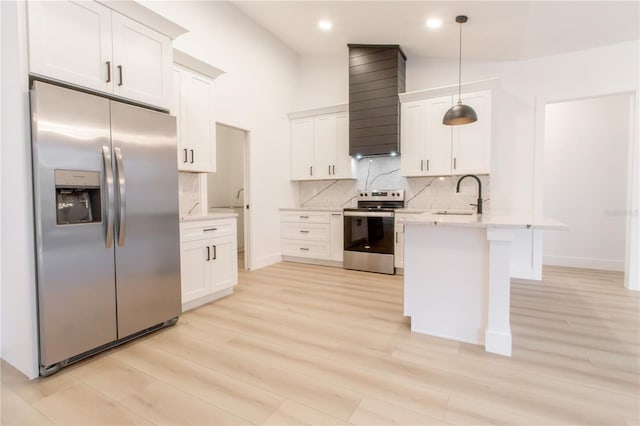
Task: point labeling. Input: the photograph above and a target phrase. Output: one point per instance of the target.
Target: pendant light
(460, 113)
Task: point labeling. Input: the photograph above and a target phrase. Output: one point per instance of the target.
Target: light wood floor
(299, 344)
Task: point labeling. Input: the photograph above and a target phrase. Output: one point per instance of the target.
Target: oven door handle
(368, 214)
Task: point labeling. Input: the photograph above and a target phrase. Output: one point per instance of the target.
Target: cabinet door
(142, 61)
(302, 148)
(177, 100)
(472, 142)
(195, 270)
(224, 263)
(200, 125)
(412, 131)
(324, 145)
(71, 41)
(343, 166)
(336, 239)
(438, 138)
(398, 248)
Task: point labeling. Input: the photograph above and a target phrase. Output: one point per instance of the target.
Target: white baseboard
(498, 342)
(206, 299)
(523, 273)
(584, 262)
(321, 262)
(263, 261)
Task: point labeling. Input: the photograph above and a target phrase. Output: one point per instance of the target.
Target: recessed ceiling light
(325, 25)
(433, 23)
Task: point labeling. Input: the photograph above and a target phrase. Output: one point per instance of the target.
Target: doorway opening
(228, 188)
(587, 144)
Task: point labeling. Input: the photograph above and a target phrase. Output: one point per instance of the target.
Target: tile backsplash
(189, 193)
(384, 173)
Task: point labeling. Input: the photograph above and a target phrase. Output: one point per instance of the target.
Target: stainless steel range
(369, 230)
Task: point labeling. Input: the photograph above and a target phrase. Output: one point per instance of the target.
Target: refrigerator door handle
(122, 197)
(108, 177)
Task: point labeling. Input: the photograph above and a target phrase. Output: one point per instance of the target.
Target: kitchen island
(457, 275)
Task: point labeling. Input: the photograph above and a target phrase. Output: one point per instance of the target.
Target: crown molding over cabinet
(151, 19)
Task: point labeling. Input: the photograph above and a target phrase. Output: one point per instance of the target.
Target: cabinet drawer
(306, 231)
(192, 231)
(302, 248)
(306, 217)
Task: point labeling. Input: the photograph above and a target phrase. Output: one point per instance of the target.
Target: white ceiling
(497, 30)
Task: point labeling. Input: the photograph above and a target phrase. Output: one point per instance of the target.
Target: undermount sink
(455, 212)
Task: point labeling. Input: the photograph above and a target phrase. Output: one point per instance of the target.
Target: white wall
(223, 185)
(255, 94)
(17, 265)
(585, 181)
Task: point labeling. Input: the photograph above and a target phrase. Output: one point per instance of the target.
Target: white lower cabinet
(312, 236)
(398, 249)
(209, 261)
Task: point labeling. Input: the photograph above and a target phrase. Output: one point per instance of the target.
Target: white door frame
(248, 222)
(632, 250)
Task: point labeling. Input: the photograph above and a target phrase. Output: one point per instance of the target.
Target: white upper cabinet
(344, 164)
(472, 142)
(429, 148)
(412, 131)
(438, 138)
(142, 58)
(90, 45)
(71, 41)
(301, 148)
(324, 145)
(320, 147)
(193, 105)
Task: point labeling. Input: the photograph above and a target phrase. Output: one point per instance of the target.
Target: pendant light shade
(460, 113)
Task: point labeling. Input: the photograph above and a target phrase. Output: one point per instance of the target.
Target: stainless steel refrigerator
(106, 213)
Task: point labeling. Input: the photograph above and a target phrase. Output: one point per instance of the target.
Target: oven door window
(368, 234)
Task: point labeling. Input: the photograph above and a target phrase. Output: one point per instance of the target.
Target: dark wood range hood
(376, 76)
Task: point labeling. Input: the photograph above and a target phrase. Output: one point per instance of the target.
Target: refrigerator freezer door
(147, 238)
(76, 291)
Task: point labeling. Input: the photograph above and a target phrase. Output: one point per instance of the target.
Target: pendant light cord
(460, 66)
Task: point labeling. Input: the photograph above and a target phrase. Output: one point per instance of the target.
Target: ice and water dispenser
(77, 197)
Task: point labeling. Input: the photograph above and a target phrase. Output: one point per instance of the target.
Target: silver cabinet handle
(329, 168)
(120, 74)
(421, 165)
(304, 249)
(108, 71)
(185, 156)
(333, 168)
(210, 229)
(336, 214)
(310, 170)
(302, 231)
(454, 163)
(122, 196)
(427, 165)
(108, 183)
(304, 217)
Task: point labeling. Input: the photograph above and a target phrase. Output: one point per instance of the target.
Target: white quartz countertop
(311, 209)
(513, 220)
(210, 216)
